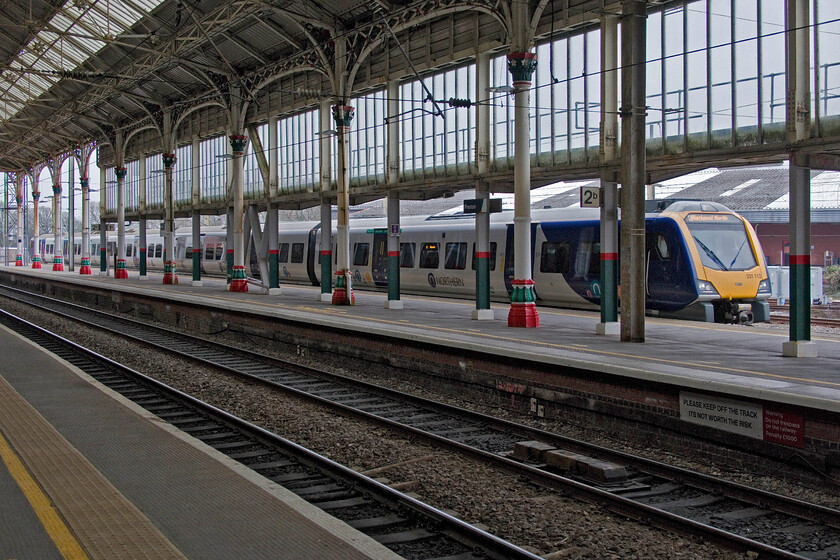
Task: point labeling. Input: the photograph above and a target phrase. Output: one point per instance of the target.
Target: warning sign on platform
(723, 414)
(786, 427)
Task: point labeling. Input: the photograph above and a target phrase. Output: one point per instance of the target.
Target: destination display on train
(783, 426)
(712, 218)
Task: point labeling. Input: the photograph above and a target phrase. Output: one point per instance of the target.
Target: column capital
(19, 200)
(85, 183)
(120, 172)
(168, 160)
(36, 196)
(343, 115)
(521, 65)
(238, 143)
(56, 189)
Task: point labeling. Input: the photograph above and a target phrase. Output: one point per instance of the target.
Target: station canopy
(77, 69)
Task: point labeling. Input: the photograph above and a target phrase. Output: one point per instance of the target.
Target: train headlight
(705, 288)
(764, 287)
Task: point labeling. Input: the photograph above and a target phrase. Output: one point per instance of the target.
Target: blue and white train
(702, 260)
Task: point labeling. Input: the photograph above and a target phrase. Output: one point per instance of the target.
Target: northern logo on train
(432, 281)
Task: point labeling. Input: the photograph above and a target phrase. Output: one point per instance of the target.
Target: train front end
(729, 264)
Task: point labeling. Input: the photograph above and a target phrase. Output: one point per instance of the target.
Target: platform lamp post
(343, 294)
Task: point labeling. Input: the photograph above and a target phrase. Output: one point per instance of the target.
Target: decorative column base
(799, 349)
(343, 292)
(18, 260)
(121, 273)
(483, 315)
(169, 273)
(608, 328)
(523, 307)
(238, 283)
(85, 266)
(36, 261)
(58, 265)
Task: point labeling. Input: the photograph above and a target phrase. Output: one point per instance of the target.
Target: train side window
(283, 255)
(554, 257)
(492, 256)
(407, 251)
(662, 248)
(456, 256)
(429, 255)
(189, 252)
(297, 252)
(209, 251)
(128, 250)
(158, 250)
(94, 249)
(360, 254)
(220, 251)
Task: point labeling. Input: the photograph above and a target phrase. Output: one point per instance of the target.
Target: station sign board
(480, 205)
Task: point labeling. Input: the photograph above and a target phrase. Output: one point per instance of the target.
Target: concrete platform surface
(116, 482)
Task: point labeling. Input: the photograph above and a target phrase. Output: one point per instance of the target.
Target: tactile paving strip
(103, 521)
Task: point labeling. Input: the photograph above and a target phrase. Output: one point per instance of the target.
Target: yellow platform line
(58, 531)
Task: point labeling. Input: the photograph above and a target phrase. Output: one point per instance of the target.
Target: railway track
(815, 321)
(408, 527)
(687, 502)
(821, 316)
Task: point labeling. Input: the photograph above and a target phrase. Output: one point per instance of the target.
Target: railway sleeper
(589, 468)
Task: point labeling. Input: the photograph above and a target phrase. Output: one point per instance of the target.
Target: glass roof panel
(47, 52)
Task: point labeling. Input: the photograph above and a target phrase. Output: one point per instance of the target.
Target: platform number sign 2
(590, 197)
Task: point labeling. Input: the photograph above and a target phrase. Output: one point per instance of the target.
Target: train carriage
(702, 261)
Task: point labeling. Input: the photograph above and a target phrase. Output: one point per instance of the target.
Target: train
(702, 260)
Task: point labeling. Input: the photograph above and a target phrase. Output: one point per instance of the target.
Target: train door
(311, 252)
(379, 262)
(668, 273)
(509, 255)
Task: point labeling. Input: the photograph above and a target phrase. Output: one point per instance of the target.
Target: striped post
(326, 252)
(800, 297)
(142, 261)
(482, 311)
(196, 264)
(482, 279)
(609, 287)
(393, 207)
(229, 259)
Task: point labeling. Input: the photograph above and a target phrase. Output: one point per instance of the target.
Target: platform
(681, 364)
(731, 358)
(85, 473)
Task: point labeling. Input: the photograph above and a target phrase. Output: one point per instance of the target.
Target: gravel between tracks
(542, 521)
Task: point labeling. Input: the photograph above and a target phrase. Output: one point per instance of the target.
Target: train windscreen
(722, 241)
